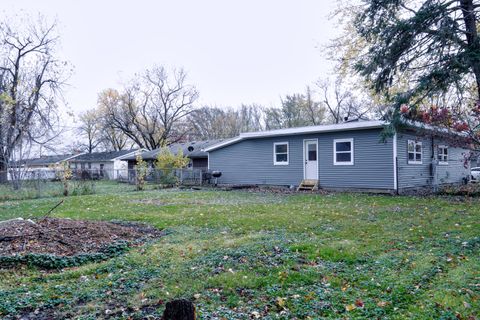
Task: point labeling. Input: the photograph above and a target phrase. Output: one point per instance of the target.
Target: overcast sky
(234, 51)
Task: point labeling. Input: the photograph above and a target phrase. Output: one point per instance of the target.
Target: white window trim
(438, 149)
(343, 163)
(282, 163)
(414, 152)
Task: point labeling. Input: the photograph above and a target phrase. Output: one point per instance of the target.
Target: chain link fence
(45, 182)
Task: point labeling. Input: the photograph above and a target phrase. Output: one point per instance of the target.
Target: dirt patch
(66, 237)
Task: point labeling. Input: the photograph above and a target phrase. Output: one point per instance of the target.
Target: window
(414, 152)
(343, 152)
(312, 151)
(280, 153)
(442, 155)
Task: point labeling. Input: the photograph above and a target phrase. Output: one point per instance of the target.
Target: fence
(44, 182)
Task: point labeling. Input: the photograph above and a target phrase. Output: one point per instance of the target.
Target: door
(310, 148)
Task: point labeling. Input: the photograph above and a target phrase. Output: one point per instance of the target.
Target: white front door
(311, 162)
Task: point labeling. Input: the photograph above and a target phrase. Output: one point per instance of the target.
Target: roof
(193, 149)
(47, 160)
(103, 156)
(347, 126)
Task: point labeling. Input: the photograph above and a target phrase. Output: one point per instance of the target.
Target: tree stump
(180, 309)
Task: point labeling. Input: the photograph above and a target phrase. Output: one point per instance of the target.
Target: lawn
(244, 255)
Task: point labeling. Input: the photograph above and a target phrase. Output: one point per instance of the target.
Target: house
(101, 165)
(347, 156)
(192, 150)
(38, 168)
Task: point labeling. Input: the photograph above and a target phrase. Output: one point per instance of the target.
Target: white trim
(304, 163)
(395, 178)
(223, 144)
(415, 142)
(70, 158)
(343, 163)
(442, 163)
(355, 125)
(282, 163)
(134, 152)
(208, 161)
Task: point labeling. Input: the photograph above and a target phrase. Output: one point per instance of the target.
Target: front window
(414, 152)
(343, 152)
(442, 155)
(280, 153)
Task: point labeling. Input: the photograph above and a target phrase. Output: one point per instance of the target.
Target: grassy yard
(46, 188)
(243, 255)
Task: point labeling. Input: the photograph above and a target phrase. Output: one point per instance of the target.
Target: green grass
(46, 188)
(243, 254)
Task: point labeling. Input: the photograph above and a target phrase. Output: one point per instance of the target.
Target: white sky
(234, 51)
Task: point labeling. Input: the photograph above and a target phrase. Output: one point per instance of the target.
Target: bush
(167, 162)
(471, 190)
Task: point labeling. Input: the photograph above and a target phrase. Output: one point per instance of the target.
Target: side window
(343, 151)
(280, 153)
(442, 155)
(414, 149)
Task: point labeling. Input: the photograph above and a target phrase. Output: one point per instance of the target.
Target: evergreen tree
(433, 43)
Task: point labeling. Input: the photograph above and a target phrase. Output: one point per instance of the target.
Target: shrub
(140, 172)
(471, 189)
(166, 164)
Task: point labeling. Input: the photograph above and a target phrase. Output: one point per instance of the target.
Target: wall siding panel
(421, 175)
(251, 161)
(413, 175)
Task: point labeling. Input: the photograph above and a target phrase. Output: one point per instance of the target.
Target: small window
(343, 152)
(442, 155)
(312, 151)
(414, 152)
(280, 153)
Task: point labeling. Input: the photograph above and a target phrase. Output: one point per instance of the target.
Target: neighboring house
(192, 150)
(102, 165)
(345, 156)
(39, 168)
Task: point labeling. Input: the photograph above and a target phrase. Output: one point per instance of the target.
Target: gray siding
(251, 161)
(373, 162)
(420, 175)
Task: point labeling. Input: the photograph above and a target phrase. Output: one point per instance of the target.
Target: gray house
(348, 156)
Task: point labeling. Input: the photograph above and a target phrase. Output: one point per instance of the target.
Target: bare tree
(295, 111)
(220, 123)
(340, 102)
(150, 108)
(30, 80)
(90, 129)
(113, 138)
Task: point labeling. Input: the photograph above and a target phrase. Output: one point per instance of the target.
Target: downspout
(395, 164)
(433, 167)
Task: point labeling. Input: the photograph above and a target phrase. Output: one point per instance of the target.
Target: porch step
(308, 185)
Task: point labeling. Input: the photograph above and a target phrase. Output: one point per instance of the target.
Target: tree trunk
(473, 42)
(179, 310)
(3, 170)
